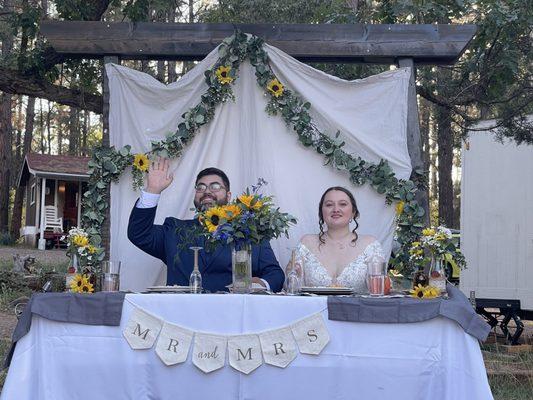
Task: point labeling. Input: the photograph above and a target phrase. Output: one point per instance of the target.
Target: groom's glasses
(213, 187)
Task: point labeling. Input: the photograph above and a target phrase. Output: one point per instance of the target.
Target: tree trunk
(5, 135)
(16, 217)
(73, 141)
(445, 157)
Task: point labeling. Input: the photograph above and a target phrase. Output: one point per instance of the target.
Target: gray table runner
(89, 309)
(404, 310)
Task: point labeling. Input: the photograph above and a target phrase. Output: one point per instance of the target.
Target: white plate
(168, 289)
(326, 290)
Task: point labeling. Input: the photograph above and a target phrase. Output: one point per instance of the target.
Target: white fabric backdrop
(247, 143)
(434, 359)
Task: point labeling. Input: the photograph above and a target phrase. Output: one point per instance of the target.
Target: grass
(510, 374)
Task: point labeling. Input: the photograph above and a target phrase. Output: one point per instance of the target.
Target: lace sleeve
(374, 249)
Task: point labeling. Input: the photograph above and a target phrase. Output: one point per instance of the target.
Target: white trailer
(497, 228)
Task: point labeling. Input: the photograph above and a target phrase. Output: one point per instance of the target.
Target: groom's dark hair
(214, 171)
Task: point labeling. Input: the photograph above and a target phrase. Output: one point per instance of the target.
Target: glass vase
(437, 274)
(241, 266)
(72, 269)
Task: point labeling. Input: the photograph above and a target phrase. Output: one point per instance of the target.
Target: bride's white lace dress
(353, 275)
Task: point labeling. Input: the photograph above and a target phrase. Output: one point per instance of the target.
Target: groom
(212, 188)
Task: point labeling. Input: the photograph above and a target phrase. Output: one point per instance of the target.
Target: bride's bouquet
(250, 219)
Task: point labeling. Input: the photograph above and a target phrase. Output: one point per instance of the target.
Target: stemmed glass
(195, 280)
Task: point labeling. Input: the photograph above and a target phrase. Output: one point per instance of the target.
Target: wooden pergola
(401, 45)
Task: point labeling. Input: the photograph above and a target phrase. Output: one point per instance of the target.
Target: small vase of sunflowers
(81, 276)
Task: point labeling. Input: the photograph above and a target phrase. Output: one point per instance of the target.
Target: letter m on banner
(142, 329)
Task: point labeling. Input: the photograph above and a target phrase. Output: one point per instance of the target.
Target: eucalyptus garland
(108, 164)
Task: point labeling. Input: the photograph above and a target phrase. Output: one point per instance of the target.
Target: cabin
(54, 185)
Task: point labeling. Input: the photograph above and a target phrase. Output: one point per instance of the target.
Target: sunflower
(418, 291)
(79, 281)
(275, 87)
(80, 240)
(232, 211)
(247, 200)
(141, 162)
(428, 232)
(430, 292)
(213, 217)
(87, 288)
(223, 75)
(399, 207)
(92, 249)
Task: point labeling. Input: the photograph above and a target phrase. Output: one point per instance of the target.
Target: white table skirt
(433, 360)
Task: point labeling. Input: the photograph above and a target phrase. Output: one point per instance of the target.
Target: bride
(337, 256)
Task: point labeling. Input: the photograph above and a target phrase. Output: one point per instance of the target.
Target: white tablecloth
(433, 360)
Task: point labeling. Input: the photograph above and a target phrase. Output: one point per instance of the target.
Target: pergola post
(106, 226)
(414, 142)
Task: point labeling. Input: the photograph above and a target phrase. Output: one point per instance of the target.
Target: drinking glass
(110, 276)
(294, 273)
(375, 276)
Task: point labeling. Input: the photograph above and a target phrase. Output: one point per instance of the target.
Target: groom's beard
(207, 201)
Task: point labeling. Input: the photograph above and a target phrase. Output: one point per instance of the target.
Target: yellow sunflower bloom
(92, 249)
(417, 291)
(232, 211)
(399, 207)
(275, 87)
(141, 162)
(80, 241)
(430, 292)
(247, 200)
(428, 232)
(223, 75)
(78, 283)
(213, 217)
(87, 288)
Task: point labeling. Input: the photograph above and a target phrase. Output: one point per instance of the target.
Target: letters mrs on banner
(276, 347)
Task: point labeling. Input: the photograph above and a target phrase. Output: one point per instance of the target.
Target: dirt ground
(44, 257)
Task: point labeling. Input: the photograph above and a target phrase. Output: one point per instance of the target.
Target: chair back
(51, 220)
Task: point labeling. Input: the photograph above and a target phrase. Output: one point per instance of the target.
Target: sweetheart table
(432, 359)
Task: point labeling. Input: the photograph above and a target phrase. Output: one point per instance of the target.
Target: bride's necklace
(339, 244)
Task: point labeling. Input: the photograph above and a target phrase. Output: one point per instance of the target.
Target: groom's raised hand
(158, 176)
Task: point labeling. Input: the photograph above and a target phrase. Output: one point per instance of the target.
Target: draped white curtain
(247, 143)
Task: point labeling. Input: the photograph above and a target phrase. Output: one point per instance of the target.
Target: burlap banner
(278, 347)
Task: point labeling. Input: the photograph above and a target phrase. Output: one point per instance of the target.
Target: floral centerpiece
(434, 248)
(84, 260)
(250, 219)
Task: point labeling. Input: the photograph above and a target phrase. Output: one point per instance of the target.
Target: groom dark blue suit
(162, 241)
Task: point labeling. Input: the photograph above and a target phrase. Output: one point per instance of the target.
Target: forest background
(52, 105)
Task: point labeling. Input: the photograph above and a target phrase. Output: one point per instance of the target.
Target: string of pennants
(278, 347)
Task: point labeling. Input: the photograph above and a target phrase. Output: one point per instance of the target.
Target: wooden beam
(385, 44)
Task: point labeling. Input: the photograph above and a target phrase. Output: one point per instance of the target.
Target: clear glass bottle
(195, 280)
(72, 270)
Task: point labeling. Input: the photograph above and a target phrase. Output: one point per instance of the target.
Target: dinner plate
(168, 289)
(325, 290)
